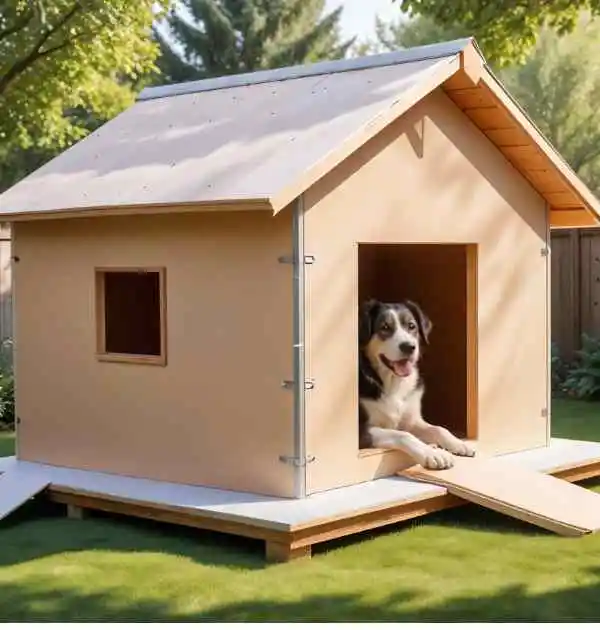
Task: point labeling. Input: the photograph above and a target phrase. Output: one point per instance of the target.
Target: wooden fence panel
(575, 287)
(564, 310)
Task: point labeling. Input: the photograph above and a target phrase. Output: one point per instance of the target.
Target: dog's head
(390, 335)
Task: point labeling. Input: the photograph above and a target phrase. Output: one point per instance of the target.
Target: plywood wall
(216, 414)
(431, 177)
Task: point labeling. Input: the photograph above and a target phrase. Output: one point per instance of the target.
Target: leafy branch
(36, 52)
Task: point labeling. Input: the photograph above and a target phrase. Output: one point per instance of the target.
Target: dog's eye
(385, 327)
(412, 326)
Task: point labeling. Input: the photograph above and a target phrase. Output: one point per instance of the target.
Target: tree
(60, 59)
(507, 30)
(406, 33)
(558, 85)
(208, 38)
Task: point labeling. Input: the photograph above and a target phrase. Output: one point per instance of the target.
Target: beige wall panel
(431, 177)
(216, 414)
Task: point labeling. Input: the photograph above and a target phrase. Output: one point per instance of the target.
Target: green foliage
(18, 162)
(405, 33)
(219, 37)
(583, 379)
(507, 30)
(7, 387)
(62, 57)
(558, 369)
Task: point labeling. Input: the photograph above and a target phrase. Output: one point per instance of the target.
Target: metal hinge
(298, 462)
(309, 383)
(309, 259)
(544, 412)
(544, 251)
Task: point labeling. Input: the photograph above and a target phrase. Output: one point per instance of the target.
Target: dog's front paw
(463, 449)
(436, 459)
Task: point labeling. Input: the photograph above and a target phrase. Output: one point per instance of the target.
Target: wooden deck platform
(289, 527)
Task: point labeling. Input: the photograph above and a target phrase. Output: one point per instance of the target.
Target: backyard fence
(575, 288)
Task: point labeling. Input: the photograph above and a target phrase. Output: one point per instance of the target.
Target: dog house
(187, 281)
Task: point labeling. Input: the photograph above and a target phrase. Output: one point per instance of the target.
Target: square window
(131, 315)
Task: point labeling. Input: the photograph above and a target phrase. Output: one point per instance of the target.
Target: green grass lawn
(7, 443)
(464, 564)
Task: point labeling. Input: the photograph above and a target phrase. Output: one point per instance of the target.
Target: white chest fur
(399, 406)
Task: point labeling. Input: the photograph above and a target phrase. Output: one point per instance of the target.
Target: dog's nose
(407, 347)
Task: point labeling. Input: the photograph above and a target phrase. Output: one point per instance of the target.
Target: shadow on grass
(39, 601)
(39, 529)
(465, 517)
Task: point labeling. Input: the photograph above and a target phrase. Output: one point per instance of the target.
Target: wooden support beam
(285, 552)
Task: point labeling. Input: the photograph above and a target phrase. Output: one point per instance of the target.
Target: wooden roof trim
(578, 218)
(440, 73)
(243, 205)
(570, 179)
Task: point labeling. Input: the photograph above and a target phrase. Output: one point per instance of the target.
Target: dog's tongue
(402, 367)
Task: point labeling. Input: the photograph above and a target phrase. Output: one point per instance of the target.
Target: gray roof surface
(235, 138)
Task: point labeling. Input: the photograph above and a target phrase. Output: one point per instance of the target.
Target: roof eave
(468, 68)
(216, 205)
(589, 213)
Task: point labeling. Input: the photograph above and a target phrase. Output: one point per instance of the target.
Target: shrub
(583, 378)
(558, 369)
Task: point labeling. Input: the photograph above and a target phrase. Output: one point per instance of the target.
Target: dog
(391, 389)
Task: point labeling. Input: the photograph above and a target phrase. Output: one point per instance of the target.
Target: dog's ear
(365, 320)
(423, 322)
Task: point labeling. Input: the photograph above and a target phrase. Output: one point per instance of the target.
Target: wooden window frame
(114, 357)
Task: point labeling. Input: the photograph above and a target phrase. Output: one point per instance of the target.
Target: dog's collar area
(367, 370)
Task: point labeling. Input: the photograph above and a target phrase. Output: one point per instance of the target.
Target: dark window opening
(131, 308)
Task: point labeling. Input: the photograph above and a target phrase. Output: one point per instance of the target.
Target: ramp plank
(17, 487)
(528, 495)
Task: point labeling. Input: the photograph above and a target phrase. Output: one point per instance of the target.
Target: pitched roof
(259, 140)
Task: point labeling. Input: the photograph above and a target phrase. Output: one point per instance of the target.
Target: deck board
(289, 514)
(289, 527)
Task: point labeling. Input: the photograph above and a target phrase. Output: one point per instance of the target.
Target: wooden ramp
(528, 495)
(17, 486)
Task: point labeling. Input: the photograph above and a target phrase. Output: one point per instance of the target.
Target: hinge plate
(309, 383)
(298, 462)
(309, 259)
(544, 412)
(544, 251)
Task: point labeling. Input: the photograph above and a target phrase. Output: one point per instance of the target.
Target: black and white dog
(391, 388)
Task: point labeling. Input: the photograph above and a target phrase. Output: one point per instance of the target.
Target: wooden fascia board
(224, 205)
(577, 218)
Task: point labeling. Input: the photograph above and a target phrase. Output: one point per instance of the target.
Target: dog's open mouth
(402, 368)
